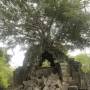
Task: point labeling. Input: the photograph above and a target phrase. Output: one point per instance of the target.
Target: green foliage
(46, 63)
(5, 72)
(61, 24)
(29, 21)
(84, 59)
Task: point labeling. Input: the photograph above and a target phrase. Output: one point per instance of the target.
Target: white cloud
(78, 51)
(17, 58)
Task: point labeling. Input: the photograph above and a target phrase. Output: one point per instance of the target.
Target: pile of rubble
(51, 82)
(47, 79)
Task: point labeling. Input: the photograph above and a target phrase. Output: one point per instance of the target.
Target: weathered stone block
(72, 88)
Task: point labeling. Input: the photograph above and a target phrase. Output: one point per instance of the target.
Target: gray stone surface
(46, 79)
(51, 82)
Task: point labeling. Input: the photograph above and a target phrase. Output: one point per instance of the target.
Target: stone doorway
(47, 56)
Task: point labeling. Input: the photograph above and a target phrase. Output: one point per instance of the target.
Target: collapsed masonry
(66, 75)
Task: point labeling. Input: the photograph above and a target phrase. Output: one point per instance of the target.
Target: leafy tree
(84, 59)
(61, 21)
(47, 23)
(5, 71)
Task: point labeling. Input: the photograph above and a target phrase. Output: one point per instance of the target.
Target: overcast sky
(17, 57)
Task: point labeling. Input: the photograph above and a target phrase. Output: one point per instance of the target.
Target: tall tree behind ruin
(59, 23)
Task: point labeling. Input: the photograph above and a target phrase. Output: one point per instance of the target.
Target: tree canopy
(46, 22)
(56, 24)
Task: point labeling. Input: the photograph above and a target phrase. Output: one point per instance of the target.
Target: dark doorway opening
(46, 55)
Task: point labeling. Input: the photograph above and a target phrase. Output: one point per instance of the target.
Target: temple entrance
(56, 66)
(47, 56)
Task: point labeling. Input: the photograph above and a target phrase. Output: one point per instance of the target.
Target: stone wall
(41, 79)
(45, 78)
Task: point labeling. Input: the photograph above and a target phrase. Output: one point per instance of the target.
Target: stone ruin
(64, 75)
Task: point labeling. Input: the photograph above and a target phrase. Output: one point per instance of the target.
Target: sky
(78, 51)
(17, 57)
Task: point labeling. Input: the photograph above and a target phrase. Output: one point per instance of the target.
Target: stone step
(73, 88)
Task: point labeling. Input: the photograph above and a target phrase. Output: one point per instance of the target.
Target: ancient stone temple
(64, 75)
